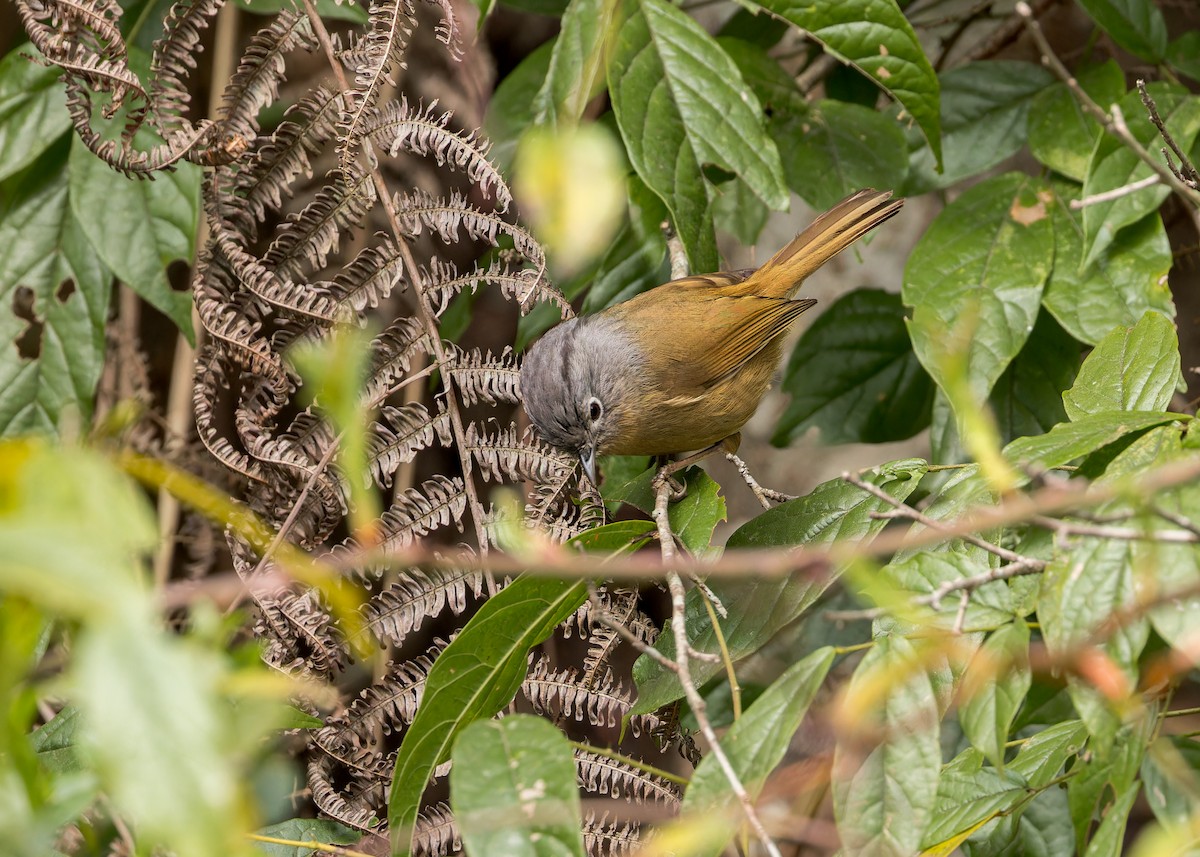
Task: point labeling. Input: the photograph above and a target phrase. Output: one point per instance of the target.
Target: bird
(683, 366)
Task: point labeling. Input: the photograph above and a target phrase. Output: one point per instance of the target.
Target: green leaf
(1061, 134)
(305, 830)
(853, 375)
(512, 789)
(885, 801)
(1183, 54)
(875, 38)
(681, 104)
(56, 291)
(576, 72)
(759, 608)
(1041, 758)
(976, 275)
(833, 148)
(922, 573)
(33, 110)
(1135, 25)
(474, 678)
(1110, 835)
(57, 743)
(511, 108)
(984, 110)
(1170, 771)
(617, 537)
(330, 10)
(968, 795)
(693, 519)
(1113, 165)
(1000, 677)
(757, 742)
(738, 211)
(774, 88)
(1068, 441)
(1126, 279)
(1132, 369)
(139, 227)
(1042, 827)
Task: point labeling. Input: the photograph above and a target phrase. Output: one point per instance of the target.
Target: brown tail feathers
(825, 237)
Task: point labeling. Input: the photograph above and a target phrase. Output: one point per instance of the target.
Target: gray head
(574, 382)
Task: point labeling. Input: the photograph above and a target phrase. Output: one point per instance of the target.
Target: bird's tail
(828, 235)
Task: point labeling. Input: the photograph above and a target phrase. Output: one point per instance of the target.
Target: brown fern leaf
(420, 210)
(505, 456)
(400, 434)
(605, 776)
(303, 638)
(372, 60)
(392, 353)
(209, 384)
(396, 126)
(525, 286)
(255, 84)
(92, 24)
(602, 838)
(262, 186)
(369, 278)
(404, 605)
(330, 801)
(174, 57)
(447, 30)
(387, 707)
(309, 235)
(301, 299)
(559, 693)
(438, 502)
(435, 833)
(494, 379)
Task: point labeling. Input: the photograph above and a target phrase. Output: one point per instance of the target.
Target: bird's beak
(587, 457)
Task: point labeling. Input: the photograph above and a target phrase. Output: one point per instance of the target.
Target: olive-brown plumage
(683, 366)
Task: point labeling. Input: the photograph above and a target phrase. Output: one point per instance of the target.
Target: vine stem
(413, 273)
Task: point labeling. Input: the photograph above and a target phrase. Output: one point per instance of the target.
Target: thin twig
(605, 618)
(1100, 531)
(1115, 193)
(1186, 172)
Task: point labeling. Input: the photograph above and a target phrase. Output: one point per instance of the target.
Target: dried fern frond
(524, 286)
(404, 605)
(393, 351)
(558, 692)
(420, 210)
(400, 434)
(506, 456)
(396, 126)
(435, 833)
(480, 377)
(369, 278)
(606, 776)
(602, 838)
(330, 800)
(306, 239)
(174, 57)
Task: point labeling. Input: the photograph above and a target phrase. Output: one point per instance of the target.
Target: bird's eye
(595, 409)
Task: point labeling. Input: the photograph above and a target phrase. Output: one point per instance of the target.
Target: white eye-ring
(595, 409)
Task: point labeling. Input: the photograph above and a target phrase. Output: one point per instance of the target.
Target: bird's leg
(764, 495)
(667, 471)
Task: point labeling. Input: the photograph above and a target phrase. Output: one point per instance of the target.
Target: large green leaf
(139, 227)
(33, 110)
(1184, 54)
(1132, 369)
(1136, 25)
(969, 794)
(1068, 441)
(512, 789)
(759, 608)
(1170, 772)
(984, 110)
(976, 278)
(305, 830)
(853, 375)
(681, 104)
(998, 680)
(1061, 134)
(876, 38)
(474, 678)
(757, 742)
(692, 518)
(885, 801)
(1126, 278)
(56, 292)
(923, 572)
(576, 71)
(1113, 165)
(833, 148)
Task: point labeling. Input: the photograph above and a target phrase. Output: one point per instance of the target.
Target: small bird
(683, 366)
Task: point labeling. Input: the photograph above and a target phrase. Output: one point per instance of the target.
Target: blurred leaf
(474, 678)
(512, 789)
(575, 74)
(739, 212)
(1132, 369)
(756, 743)
(884, 798)
(977, 273)
(139, 227)
(876, 38)
(33, 110)
(1068, 441)
(539, 7)
(759, 608)
(834, 149)
(330, 10)
(1110, 835)
(682, 104)
(1136, 25)
(617, 537)
(922, 573)
(1061, 134)
(511, 108)
(1171, 772)
(969, 795)
(57, 292)
(571, 186)
(1183, 54)
(1128, 277)
(305, 830)
(57, 743)
(637, 259)
(984, 109)
(1114, 165)
(853, 375)
(995, 686)
(1027, 400)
